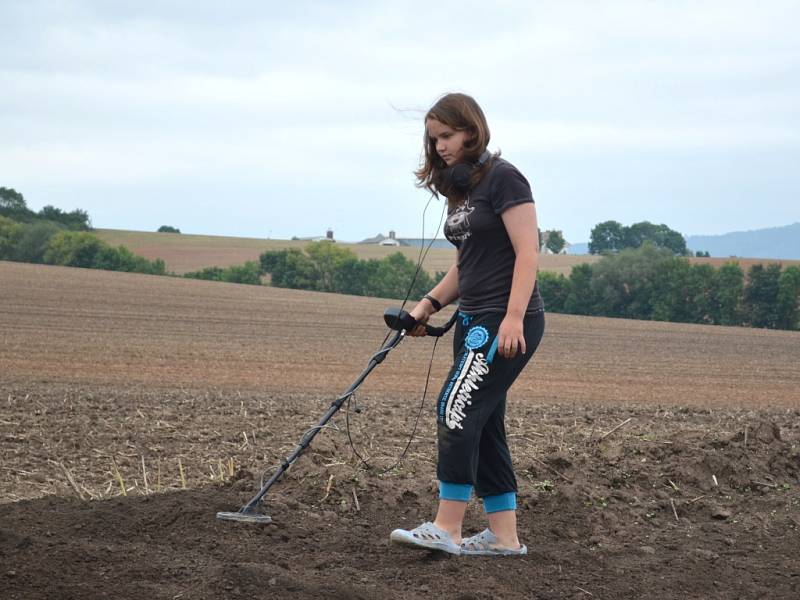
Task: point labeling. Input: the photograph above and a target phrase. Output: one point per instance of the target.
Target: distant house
(316, 238)
(393, 240)
(382, 240)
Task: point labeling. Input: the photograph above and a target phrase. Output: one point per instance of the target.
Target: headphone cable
(420, 259)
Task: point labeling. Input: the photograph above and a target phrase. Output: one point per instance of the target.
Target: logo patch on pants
(476, 337)
(460, 396)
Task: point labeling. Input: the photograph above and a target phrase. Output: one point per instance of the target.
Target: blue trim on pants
(492, 350)
(507, 501)
(460, 492)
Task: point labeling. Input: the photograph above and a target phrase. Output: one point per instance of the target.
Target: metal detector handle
(400, 320)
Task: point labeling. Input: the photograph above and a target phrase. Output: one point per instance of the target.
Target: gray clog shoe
(427, 536)
(484, 544)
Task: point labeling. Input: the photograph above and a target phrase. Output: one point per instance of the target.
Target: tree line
(14, 207)
(55, 237)
(652, 283)
(642, 275)
(612, 236)
(325, 267)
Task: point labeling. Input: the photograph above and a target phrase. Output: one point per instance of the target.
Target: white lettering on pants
(471, 373)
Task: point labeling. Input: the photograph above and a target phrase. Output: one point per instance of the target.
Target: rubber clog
(426, 536)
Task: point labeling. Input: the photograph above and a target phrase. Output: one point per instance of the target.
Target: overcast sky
(276, 119)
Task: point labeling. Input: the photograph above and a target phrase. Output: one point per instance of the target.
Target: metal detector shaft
(376, 359)
(396, 319)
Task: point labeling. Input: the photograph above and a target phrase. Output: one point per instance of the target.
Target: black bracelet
(434, 302)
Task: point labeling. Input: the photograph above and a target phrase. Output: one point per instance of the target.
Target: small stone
(11, 573)
(705, 554)
(721, 514)
(648, 549)
(272, 581)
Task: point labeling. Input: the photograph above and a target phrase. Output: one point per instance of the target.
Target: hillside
(186, 252)
(774, 242)
(779, 243)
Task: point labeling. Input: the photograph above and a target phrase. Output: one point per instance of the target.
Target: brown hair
(461, 113)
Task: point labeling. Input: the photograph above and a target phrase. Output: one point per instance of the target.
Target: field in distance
(188, 252)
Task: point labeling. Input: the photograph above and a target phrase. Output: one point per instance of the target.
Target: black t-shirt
(485, 254)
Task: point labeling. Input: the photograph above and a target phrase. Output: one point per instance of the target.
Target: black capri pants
(473, 451)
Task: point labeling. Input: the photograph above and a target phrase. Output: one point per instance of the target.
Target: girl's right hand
(421, 313)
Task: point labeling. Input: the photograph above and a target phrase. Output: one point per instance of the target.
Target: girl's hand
(511, 338)
(422, 312)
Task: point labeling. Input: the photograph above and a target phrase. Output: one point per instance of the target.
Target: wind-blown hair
(461, 113)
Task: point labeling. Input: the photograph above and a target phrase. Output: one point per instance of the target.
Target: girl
(492, 222)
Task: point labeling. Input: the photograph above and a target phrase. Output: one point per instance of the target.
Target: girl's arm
(521, 225)
(445, 292)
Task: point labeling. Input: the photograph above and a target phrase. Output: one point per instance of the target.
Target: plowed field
(655, 460)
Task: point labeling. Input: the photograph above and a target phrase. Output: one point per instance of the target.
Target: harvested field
(185, 252)
(655, 460)
(744, 263)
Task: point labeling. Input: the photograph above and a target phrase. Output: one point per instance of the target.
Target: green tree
(73, 249)
(326, 267)
(703, 293)
(660, 236)
(11, 199)
(626, 284)
(761, 295)
(248, 273)
(555, 241)
(394, 276)
(77, 219)
(672, 292)
(122, 259)
(353, 276)
(168, 229)
(208, 273)
(33, 241)
(788, 316)
(581, 298)
(554, 289)
(605, 237)
(290, 268)
(10, 232)
(13, 206)
(730, 294)
(328, 258)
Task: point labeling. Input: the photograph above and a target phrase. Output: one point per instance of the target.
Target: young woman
(492, 222)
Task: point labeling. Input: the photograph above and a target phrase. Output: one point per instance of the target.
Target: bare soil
(654, 460)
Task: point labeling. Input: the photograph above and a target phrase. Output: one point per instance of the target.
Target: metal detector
(396, 319)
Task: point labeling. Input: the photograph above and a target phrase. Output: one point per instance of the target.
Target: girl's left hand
(511, 338)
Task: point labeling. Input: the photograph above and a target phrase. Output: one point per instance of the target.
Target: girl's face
(449, 142)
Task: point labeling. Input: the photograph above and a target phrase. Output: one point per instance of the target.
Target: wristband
(434, 302)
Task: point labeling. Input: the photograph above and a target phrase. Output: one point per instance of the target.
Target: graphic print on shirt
(457, 227)
(465, 380)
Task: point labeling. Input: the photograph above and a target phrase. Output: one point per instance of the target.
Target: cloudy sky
(275, 119)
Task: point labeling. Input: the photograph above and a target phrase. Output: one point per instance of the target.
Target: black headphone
(459, 176)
